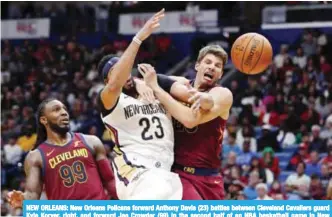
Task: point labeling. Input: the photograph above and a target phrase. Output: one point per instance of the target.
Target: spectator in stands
(310, 117)
(270, 116)
(293, 121)
(325, 175)
(247, 117)
(269, 138)
(245, 157)
(313, 165)
(280, 58)
(229, 172)
(276, 190)
(300, 59)
(316, 190)
(231, 146)
(309, 46)
(233, 190)
(234, 88)
(12, 152)
(256, 166)
(241, 196)
(286, 138)
(261, 190)
(300, 155)
(316, 143)
(328, 159)
(288, 68)
(297, 184)
(28, 139)
(230, 161)
(3, 169)
(247, 131)
(296, 106)
(325, 67)
(322, 106)
(280, 105)
(327, 131)
(250, 190)
(270, 162)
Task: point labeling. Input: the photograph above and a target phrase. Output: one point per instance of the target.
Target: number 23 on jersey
(146, 124)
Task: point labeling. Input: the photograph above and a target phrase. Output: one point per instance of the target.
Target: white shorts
(149, 184)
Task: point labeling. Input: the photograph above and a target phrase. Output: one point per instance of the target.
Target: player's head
(51, 115)
(105, 67)
(210, 65)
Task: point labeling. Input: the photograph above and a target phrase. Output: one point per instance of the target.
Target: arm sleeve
(165, 82)
(106, 173)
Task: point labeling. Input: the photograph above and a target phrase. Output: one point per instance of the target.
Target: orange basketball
(251, 53)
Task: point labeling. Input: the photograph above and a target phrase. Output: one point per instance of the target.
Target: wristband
(135, 39)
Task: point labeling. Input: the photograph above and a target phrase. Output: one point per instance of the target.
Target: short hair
(215, 50)
(303, 163)
(261, 185)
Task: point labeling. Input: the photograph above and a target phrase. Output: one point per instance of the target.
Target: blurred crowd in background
(278, 141)
(279, 136)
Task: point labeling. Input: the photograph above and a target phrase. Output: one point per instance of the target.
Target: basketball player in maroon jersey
(199, 132)
(72, 166)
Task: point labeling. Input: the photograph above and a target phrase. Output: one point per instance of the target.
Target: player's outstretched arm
(222, 101)
(123, 68)
(33, 189)
(104, 166)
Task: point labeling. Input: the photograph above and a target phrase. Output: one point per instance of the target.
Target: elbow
(188, 123)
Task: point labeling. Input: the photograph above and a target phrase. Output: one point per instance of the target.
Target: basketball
(251, 53)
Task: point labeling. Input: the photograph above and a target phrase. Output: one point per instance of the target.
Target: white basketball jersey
(143, 134)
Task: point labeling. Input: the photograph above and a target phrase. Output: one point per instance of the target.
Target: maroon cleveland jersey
(201, 146)
(70, 171)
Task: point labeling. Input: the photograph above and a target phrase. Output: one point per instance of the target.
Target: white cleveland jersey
(143, 134)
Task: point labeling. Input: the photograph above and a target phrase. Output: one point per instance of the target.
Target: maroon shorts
(201, 187)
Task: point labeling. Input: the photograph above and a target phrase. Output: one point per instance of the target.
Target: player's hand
(15, 199)
(200, 100)
(145, 92)
(149, 74)
(151, 25)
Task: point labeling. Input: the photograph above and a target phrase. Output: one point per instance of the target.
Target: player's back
(70, 171)
(201, 146)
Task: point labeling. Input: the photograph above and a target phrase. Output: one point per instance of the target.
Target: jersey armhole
(101, 107)
(43, 161)
(80, 135)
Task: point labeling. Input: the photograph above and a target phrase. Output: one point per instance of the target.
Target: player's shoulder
(88, 137)
(223, 93)
(33, 157)
(91, 140)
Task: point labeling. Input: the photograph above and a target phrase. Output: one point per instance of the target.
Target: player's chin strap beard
(62, 131)
(131, 91)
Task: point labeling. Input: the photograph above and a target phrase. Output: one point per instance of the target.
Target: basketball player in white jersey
(143, 132)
